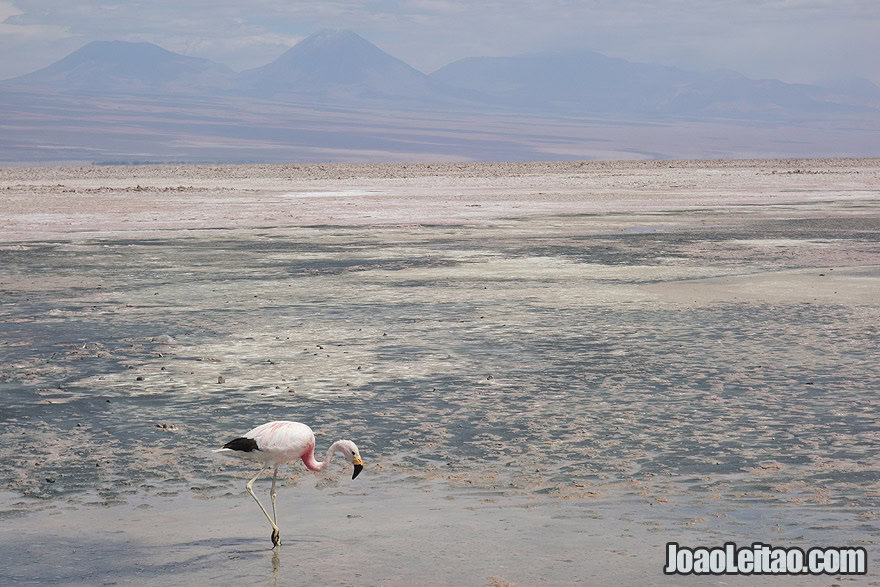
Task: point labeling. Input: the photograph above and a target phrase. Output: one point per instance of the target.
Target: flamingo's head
(350, 450)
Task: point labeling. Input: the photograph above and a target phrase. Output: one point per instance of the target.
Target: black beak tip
(357, 471)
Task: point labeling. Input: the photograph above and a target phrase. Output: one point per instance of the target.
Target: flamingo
(282, 442)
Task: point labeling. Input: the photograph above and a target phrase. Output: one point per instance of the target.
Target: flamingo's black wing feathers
(242, 444)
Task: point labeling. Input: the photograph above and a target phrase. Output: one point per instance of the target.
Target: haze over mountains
(340, 66)
(120, 67)
(339, 97)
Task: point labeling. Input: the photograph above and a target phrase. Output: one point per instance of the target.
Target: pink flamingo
(282, 442)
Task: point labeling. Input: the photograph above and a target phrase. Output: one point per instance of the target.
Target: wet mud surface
(704, 374)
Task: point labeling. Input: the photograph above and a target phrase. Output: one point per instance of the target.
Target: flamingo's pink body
(278, 443)
(283, 442)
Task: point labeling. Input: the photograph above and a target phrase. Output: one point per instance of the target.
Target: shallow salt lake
(545, 399)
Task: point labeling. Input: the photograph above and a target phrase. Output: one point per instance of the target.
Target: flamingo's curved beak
(358, 467)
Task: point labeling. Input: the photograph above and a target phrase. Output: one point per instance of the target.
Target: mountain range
(341, 70)
(344, 68)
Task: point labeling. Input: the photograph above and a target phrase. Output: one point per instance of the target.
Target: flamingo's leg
(276, 535)
(272, 493)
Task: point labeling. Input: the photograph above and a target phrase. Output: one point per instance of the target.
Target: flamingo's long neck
(312, 464)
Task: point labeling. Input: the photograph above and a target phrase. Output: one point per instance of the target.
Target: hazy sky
(793, 40)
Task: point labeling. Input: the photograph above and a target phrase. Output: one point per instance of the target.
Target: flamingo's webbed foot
(276, 537)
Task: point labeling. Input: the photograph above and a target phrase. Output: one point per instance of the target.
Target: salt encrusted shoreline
(76, 202)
